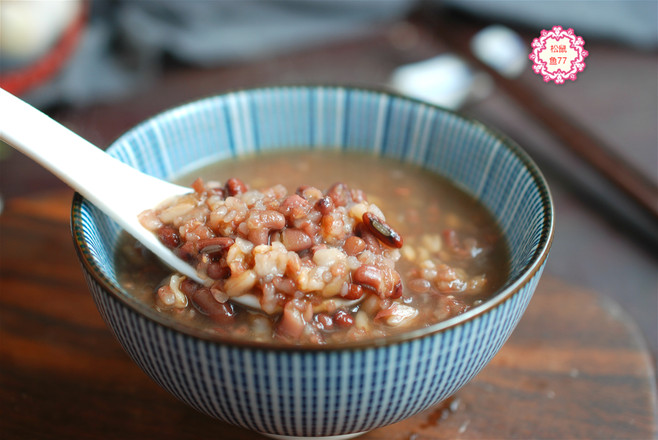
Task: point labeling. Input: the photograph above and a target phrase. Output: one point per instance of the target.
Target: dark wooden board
(576, 366)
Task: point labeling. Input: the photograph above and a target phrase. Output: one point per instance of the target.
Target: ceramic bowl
(289, 392)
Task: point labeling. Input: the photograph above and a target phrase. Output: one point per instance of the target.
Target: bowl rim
(505, 294)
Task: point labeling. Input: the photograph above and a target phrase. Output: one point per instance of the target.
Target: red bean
(382, 230)
(325, 322)
(294, 207)
(343, 319)
(295, 240)
(168, 236)
(325, 205)
(354, 246)
(214, 244)
(354, 291)
(187, 251)
(222, 313)
(369, 276)
(384, 280)
(188, 287)
(235, 186)
(218, 270)
(372, 243)
(259, 236)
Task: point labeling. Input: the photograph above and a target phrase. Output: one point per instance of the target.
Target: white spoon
(117, 189)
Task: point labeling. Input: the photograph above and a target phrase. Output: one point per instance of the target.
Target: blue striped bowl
(317, 392)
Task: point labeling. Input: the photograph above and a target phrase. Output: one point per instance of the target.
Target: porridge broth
(453, 257)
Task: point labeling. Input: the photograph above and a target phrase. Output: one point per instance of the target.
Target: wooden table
(576, 366)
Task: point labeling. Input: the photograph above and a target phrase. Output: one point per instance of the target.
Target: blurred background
(102, 66)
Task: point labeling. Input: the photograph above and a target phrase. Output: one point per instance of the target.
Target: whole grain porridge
(365, 247)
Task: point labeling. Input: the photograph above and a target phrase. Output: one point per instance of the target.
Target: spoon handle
(107, 182)
(117, 189)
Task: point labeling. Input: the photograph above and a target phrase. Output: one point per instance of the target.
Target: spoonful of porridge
(294, 254)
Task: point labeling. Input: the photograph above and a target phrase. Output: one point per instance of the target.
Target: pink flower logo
(558, 55)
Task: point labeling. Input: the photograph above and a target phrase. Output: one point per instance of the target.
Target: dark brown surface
(576, 366)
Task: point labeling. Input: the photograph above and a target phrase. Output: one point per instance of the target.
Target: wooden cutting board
(575, 367)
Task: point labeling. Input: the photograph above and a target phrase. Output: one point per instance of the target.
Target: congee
(328, 246)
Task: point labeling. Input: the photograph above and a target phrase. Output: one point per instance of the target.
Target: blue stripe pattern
(338, 391)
